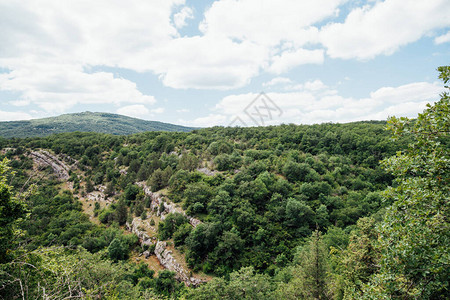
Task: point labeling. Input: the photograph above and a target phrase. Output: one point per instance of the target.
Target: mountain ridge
(100, 122)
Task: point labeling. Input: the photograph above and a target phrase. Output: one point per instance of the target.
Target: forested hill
(84, 122)
(327, 211)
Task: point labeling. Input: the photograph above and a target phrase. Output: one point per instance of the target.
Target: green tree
(295, 171)
(11, 211)
(197, 192)
(159, 179)
(188, 162)
(229, 248)
(121, 212)
(180, 235)
(415, 233)
(243, 284)
(310, 279)
(360, 260)
(116, 250)
(170, 224)
(166, 283)
(298, 213)
(89, 186)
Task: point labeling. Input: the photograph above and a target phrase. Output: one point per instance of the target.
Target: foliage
(289, 212)
(170, 225)
(243, 284)
(415, 233)
(11, 211)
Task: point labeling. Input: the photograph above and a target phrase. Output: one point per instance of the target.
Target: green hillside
(84, 122)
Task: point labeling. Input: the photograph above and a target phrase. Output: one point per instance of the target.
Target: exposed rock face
(146, 254)
(164, 255)
(207, 171)
(44, 158)
(168, 206)
(135, 227)
(168, 261)
(98, 196)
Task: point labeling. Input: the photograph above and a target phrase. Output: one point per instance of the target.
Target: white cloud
(317, 103)
(208, 121)
(288, 85)
(56, 88)
(277, 81)
(315, 85)
(50, 46)
(418, 91)
(179, 18)
(445, 38)
(369, 31)
(139, 111)
(290, 59)
(207, 62)
(14, 116)
(183, 110)
(135, 111)
(94, 33)
(267, 22)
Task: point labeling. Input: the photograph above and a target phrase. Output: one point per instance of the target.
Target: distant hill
(84, 122)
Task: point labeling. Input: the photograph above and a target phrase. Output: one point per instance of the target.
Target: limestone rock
(135, 227)
(60, 169)
(168, 261)
(169, 207)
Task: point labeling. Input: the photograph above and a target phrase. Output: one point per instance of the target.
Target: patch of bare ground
(152, 262)
(88, 208)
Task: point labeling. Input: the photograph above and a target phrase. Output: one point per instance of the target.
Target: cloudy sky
(202, 63)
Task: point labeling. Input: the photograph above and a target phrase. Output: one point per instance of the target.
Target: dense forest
(327, 211)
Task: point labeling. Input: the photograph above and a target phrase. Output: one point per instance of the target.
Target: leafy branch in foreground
(415, 233)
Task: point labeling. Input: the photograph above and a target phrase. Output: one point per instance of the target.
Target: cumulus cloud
(445, 38)
(383, 28)
(288, 85)
(239, 38)
(317, 103)
(139, 111)
(290, 59)
(180, 18)
(268, 22)
(207, 62)
(14, 116)
(56, 88)
(135, 111)
(48, 47)
(277, 81)
(208, 121)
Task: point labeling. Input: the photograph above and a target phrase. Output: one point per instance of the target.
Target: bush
(116, 250)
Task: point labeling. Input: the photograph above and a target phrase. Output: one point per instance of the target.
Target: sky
(225, 62)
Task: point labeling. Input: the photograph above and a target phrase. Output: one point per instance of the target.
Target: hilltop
(84, 122)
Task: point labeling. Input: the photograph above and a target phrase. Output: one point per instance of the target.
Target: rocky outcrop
(207, 171)
(138, 228)
(69, 159)
(98, 196)
(166, 259)
(44, 158)
(169, 207)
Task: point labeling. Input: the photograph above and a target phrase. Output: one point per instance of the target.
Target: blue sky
(202, 63)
